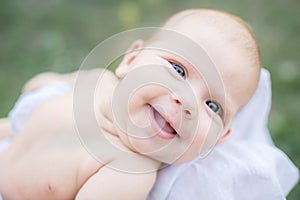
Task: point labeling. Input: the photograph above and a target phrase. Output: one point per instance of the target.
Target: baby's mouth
(161, 126)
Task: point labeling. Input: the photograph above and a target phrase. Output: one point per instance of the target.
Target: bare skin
(47, 159)
(48, 149)
(5, 129)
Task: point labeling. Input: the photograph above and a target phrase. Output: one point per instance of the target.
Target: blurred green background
(37, 36)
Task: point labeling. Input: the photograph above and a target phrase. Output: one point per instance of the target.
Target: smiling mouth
(161, 126)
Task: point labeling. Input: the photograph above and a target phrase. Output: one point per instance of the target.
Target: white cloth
(246, 166)
(27, 102)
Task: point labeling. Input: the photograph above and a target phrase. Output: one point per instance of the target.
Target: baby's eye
(214, 106)
(179, 69)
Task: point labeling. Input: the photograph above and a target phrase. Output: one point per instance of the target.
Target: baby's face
(180, 94)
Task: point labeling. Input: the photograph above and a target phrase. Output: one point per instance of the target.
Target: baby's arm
(109, 183)
(45, 78)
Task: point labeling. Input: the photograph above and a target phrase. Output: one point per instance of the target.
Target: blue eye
(178, 69)
(214, 106)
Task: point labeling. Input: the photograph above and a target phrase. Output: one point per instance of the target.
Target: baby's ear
(224, 137)
(129, 56)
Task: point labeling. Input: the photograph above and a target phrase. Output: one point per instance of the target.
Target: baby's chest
(58, 170)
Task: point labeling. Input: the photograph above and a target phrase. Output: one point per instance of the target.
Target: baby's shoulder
(101, 73)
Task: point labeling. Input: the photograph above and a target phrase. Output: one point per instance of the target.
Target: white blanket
(246, 166)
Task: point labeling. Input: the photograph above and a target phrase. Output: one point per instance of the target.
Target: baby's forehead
(221, 20)
(231, 28)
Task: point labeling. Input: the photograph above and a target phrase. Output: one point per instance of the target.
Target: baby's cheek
(208, 134)
(215, 130)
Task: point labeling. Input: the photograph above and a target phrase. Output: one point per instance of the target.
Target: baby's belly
(52, 172)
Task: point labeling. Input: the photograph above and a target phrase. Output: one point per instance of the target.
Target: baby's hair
(242, 35)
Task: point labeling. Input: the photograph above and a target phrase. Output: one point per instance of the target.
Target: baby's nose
(188, 110)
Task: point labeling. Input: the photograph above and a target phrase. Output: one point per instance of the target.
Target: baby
(177, 94)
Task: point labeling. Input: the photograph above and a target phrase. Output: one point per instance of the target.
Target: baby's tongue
(163, 124)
